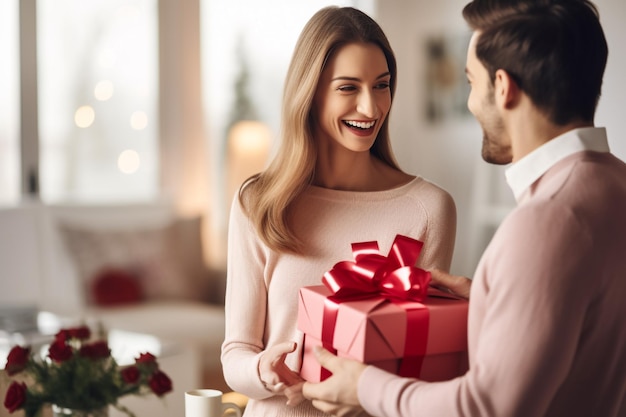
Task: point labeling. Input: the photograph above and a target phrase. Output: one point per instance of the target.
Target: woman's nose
(366, 104)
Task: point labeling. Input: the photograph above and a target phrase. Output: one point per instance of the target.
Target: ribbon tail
(331, 309)
(418, 319)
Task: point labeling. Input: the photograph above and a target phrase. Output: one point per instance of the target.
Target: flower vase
(68, 412)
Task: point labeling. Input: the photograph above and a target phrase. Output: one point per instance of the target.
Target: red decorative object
(379, 310)
(116, 286)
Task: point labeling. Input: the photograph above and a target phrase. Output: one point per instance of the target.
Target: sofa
(132, 267)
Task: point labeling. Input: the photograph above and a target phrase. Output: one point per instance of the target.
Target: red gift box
(397, 329)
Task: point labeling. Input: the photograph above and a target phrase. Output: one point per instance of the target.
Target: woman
(333, 182)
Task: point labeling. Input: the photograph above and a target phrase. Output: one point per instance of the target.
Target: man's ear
(507, 91)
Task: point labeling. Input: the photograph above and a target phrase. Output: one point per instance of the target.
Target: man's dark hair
(555, 50)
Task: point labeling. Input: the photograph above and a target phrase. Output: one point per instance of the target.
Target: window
(99, 128)
(97, 90)
(9, 103)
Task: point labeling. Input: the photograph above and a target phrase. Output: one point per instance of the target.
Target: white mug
(207, 403)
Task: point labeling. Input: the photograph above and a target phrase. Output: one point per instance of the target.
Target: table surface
(125, 345)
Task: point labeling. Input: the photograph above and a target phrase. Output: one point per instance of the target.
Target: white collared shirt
(522, 174)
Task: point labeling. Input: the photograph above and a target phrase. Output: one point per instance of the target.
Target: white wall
(449, 153)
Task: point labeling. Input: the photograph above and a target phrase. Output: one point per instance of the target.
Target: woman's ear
(507, 91)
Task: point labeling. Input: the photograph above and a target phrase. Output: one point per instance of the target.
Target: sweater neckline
(321, 192)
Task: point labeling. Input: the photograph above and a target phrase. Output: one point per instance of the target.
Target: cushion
(115, 286)
(166, 261)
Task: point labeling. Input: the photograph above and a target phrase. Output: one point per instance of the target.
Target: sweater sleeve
(533, 302)
(440, 230)
(246, 307)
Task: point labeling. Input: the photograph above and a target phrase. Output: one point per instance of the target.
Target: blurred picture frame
(446, 88)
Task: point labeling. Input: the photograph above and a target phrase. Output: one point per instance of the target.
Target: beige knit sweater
(262, 290)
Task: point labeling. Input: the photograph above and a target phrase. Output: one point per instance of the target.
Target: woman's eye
(346, 88)
(382, 86)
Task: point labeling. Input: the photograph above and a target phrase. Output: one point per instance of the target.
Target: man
(547, 317)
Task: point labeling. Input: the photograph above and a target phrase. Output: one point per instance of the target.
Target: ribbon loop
(405, 251)
(364, 249)
(372, 274)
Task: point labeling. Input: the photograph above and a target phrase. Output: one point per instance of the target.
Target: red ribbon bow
(372, 274)
(393, 277)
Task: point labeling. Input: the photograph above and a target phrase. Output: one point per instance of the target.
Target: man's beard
(496, 149)
(493, 151)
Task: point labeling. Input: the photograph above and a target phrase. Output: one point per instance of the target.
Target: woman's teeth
(360, 125)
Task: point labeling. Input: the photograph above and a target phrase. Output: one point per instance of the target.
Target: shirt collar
(522, 174)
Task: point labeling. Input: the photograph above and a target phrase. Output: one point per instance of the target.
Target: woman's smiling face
(353, 97)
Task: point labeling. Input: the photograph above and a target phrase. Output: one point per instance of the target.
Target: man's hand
(455, 283)
(274, 373)
(336, 395)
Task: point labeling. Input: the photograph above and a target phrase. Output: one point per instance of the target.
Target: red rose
(146, 358)
(130, 375)
(16, 396)
(82, 332)
(17, 360)
(95, 350)
(160, 383)
(59, 351)
(147, 362)
(62, 336)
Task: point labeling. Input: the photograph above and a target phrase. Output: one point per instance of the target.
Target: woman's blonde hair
(268, 196)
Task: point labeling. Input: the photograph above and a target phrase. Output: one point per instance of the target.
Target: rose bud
(130, 375)
(81, 333)
(17, 360)
(95, 350)
(146, 358)
(16, 396)
(59, 351)
(160, 383)
(147, 362)
(62, 336)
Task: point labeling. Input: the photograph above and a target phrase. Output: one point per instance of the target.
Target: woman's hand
(457, 284)
(274, 373)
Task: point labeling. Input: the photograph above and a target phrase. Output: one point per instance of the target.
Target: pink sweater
(547, 320)
(262, 289)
